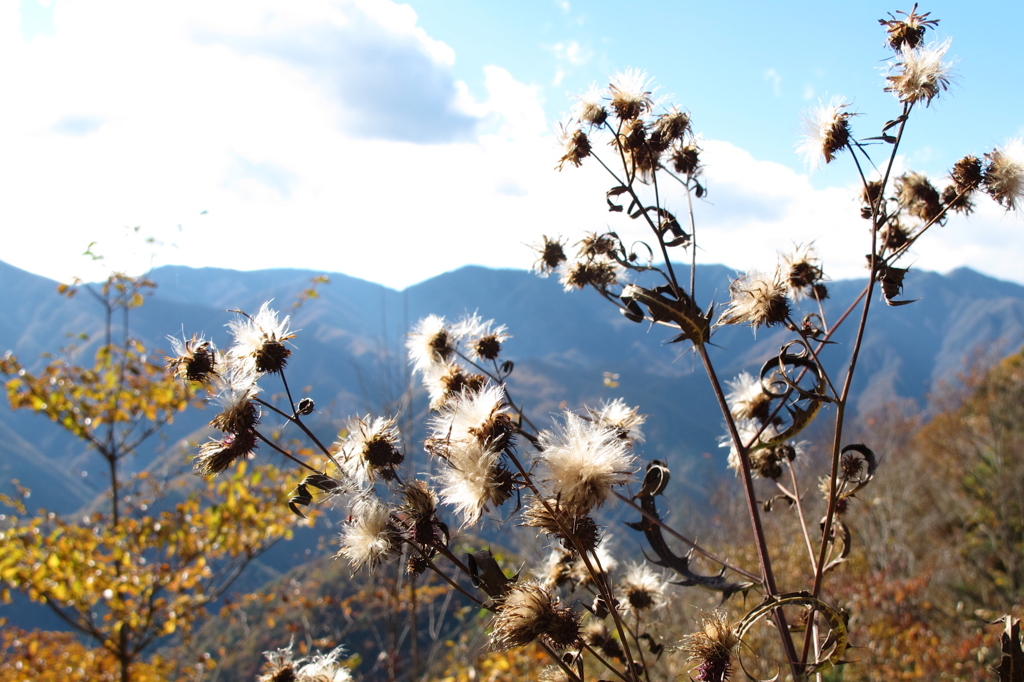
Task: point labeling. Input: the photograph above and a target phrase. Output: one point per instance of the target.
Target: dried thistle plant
(489, 460)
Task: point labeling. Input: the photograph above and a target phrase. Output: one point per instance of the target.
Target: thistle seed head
(260, 340)
(1004, 174)
(529, 612)
(921, 74)
(194, 359)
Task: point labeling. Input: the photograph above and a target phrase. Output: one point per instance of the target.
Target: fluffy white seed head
(1004, 174)
(921, 74)
(583, 462)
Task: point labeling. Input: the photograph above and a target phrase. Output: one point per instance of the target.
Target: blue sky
(395, 141)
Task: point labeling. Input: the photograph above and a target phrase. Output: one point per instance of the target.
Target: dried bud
(306, 407)
(597, 636)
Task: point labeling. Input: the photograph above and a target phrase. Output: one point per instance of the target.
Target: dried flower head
(575, 145)
(477, 483)
(870, 195)
(369, 535)
(767, 462)
(430, 344)
(712, 648)
(748, 401)
(447, 380)
(602, 561)
(583, 462)
(630, 92)
(921, 75)
(752, 433)
(571, 530)
(529, 612)
(551, 256)
(825, 488)
(480, 417)
(1004, 174)
(918, 197)
(967, 174)
(685, 158)
(259, 341)
(672, 126)
(554, 572)
(597, 635)
(590, 107)
(617, 415)
(194, 359)
(282, 666)
(595, 245)
(216, 456)
(324, 668)
(909, 31)
(420, 501)
(893, 235)
(826, 132)
(236, 395)
(419, 510)
(641, 588)
(757, 299)
(471, 432)
(600, 273)
(370, 449)
(482, 338)
(802, 271)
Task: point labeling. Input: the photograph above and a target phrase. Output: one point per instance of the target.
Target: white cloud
(136, 114)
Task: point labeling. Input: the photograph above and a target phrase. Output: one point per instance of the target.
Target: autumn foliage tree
(144, 567)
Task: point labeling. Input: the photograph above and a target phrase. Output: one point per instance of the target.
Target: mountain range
(349, 352)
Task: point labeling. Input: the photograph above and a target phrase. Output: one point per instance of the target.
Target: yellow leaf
(53, 561)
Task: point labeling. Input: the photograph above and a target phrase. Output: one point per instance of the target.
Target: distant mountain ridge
(350, 350)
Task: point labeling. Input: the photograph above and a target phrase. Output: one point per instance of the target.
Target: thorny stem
(768, 576)
(833, 497)
(668, 529)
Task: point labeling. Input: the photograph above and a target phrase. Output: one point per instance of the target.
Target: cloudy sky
(393, 142)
